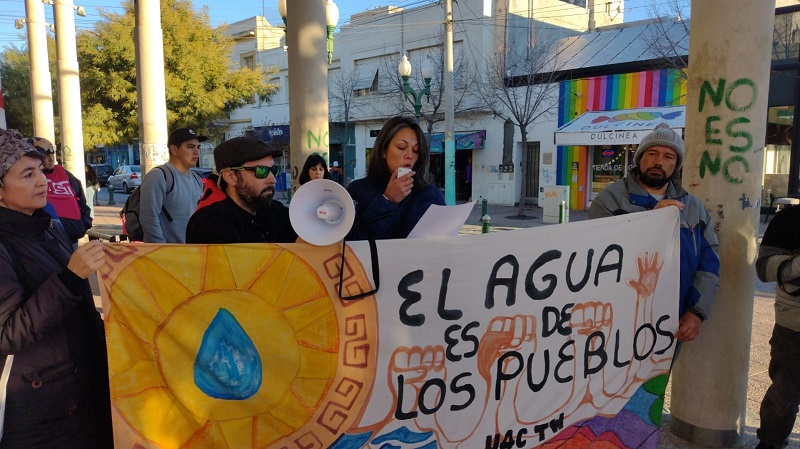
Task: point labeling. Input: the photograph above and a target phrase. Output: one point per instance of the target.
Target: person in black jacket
(51, 336)
(246, 213)
(778, 261)
(394, 195)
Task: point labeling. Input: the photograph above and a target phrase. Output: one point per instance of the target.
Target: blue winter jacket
(699, 244)
(384, 219)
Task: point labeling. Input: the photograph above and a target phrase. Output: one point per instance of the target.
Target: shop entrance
(609, 163)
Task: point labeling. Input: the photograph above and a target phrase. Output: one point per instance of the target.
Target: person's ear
(229, 177)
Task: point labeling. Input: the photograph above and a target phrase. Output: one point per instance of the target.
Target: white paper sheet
(441, 221)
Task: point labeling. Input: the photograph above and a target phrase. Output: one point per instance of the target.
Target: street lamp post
(415, 97)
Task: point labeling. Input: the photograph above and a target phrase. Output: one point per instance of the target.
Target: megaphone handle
(376, 275)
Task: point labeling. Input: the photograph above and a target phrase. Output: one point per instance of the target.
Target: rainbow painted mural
(608, 93)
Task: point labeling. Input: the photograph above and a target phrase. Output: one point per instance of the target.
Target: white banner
(511, 339)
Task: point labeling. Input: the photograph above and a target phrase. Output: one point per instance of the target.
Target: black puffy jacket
(57, 395)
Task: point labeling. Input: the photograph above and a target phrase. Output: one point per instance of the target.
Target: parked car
(103, 172)
(126, 178)
(203, 172)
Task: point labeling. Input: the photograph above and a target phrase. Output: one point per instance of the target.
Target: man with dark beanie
(651, 185)
(246, 175)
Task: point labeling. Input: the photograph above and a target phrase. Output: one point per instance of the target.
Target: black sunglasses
(261, 171)
(45, 151)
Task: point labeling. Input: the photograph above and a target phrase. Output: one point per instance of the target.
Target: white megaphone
(322, 212)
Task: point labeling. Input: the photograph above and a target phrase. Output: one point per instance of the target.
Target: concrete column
(726, 110)
(41, 90)
(150, 85)
(308, 82)
(69, 90)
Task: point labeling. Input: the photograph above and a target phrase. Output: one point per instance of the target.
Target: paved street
(503, 219)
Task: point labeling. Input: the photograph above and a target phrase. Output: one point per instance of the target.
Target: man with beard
(64, 192)
(651, 185)
(246, 175)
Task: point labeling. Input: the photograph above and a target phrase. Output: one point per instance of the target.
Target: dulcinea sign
(532, 338)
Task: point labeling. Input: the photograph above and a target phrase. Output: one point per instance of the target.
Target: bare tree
(432, 111)
(341, 94)
(786, 38)
(668, 36)
(522, 88)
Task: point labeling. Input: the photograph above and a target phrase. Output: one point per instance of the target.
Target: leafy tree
(15, 72)
(200, 88)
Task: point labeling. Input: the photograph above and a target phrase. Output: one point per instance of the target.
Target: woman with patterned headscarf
(53, 365)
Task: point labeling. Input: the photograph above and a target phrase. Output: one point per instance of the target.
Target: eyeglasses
(261, 171)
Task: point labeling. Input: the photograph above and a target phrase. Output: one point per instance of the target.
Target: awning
(619, 127)
(472, 140)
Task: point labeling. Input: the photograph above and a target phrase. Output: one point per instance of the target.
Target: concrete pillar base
(702, 436)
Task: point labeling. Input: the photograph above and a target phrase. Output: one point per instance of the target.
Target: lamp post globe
(404, 68)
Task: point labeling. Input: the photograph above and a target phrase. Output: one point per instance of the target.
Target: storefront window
(777, 152)
(609, 164)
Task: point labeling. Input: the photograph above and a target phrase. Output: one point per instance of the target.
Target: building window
(249, 62)
(777, 153)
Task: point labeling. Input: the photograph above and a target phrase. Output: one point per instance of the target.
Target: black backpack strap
(171, 186)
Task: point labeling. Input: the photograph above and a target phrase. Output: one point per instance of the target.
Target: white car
(125, 178)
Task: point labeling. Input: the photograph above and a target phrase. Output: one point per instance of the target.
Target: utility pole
(726, 109)
(41, 90)
(308, 87)
(449, 113)
(150, 86)
(69, 89)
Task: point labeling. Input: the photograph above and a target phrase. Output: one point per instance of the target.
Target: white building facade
(365, 89)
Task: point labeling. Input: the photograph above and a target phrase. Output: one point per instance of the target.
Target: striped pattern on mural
(607, 93)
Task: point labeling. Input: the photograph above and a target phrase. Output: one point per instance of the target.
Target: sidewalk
(503, 218)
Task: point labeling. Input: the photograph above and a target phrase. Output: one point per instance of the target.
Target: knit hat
(663, 136)
(13, 147)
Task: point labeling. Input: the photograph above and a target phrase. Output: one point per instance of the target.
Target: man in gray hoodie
(169, 192)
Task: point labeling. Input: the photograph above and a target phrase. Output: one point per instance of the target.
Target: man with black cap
(246, 169)
(169, 193)
(650, 185)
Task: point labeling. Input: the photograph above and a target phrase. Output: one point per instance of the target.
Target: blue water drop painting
(227, 365)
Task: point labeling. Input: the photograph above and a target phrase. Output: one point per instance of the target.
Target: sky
(228, 11)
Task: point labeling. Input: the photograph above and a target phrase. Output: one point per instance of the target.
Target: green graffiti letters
(734, 85)
(721, 92)
(712, 131)
(744, 134)
(739, 96)
(714, 166)
(317, 140)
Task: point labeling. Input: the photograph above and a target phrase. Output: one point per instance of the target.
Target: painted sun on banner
(549, 337)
